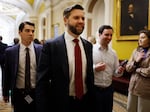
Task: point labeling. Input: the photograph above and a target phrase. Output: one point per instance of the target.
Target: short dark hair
(146, 32)
(21, 26)
(16, 40)
(103, 27)
(67, 11)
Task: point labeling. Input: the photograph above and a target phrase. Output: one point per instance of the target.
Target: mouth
(80, 27)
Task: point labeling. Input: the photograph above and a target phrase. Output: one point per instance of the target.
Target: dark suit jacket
(11, 67)
(3, 46)
(53, 76)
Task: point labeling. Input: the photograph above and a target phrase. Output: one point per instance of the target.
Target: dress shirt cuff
(94, 67)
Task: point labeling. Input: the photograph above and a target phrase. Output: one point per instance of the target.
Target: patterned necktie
(78, 70)
(27, 71)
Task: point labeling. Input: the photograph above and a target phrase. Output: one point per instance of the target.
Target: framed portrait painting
(132, 16)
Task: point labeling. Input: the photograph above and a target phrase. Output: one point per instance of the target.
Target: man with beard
(56, 88)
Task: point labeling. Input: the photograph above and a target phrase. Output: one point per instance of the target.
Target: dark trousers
(20, 104)
(103, 99)
(83, 105)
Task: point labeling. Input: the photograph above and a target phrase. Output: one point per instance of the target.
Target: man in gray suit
(22, 97)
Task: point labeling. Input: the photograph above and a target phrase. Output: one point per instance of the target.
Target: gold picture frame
(125, 28)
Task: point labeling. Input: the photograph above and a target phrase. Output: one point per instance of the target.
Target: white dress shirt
(20, 83)
(70, 52)
(109, 57)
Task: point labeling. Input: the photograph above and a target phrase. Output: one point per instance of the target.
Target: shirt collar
(23, 46)
(100, 47)
(69, 37)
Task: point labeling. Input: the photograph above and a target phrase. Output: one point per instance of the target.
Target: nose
(81, 19)
(31, 32)
(110, 36)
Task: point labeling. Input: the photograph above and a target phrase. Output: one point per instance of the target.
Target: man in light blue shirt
(106, 64)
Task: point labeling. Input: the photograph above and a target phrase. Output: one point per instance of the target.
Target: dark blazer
(3, 46)
(11, 67)
(52, 90)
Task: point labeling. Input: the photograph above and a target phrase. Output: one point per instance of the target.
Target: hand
(120, 69)
(140, 56)
(123, 63)
(100, 66)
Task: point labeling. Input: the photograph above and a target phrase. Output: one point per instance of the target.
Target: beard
(74, 30)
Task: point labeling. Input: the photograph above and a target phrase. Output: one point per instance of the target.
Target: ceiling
(16, 10)
(12, 11)
(13, 7)
(9, 6)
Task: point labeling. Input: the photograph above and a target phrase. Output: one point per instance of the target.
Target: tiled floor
(4, 107)
(120, 102)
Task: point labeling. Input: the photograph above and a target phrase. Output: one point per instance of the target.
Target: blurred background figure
(16, 40)
(3, 46)
(42, 42)
(92, 39)
(36, 41)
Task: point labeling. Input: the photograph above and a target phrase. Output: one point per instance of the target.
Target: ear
(65, 20)
(149, 42)
(100, 34)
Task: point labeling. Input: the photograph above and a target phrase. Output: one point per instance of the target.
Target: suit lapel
(37, 52)
(85, 48)
(16, 58)
(63, 55)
